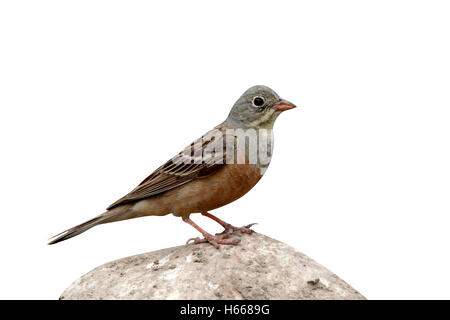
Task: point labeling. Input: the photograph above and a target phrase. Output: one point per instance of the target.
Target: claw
(215, 240)
(247, 228)
(223, 235)
(196, 240)
(229, 229)
(215, 245)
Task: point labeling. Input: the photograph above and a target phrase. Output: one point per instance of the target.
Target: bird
(213, 171)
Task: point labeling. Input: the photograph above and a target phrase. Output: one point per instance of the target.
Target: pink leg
(214, 240)
(228, 227)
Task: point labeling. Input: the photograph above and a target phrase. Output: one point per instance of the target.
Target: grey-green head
(258, 107)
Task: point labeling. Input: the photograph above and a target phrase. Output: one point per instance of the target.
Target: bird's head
(258, 107)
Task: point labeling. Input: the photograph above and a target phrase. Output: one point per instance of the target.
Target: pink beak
(283, 105)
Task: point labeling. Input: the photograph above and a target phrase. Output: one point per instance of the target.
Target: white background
(94, 95)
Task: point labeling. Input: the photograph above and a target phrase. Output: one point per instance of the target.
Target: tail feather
(72, 232)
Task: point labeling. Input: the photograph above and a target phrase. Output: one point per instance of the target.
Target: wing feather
(194, 162)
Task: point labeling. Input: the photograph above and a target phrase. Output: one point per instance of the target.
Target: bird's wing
(200, 159)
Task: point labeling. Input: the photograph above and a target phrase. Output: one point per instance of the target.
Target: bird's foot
(229, 229)
(215, 240)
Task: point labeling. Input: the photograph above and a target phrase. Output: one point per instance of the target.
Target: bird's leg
(214, 240)
(228, 227)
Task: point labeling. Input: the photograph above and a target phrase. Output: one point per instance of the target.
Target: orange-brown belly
(229, 183)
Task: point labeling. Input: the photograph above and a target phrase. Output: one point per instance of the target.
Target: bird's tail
(72, 232)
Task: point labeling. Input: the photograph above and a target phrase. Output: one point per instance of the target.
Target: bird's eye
(258, 101)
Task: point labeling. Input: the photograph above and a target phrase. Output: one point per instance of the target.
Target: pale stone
(257, 268)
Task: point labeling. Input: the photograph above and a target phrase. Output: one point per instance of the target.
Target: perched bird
(213, 171)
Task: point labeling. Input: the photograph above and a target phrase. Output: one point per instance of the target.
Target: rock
(257, 268)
